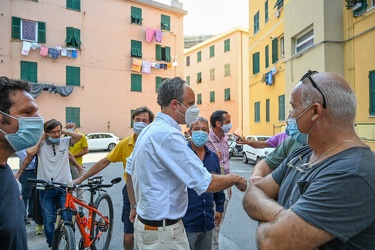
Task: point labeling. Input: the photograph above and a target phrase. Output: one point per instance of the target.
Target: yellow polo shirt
(78, 146)
(122, 151)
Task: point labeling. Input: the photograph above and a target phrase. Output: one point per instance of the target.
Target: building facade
(216, 70)
(92, 61)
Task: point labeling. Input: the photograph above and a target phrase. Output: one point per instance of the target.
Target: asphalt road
(237, 233)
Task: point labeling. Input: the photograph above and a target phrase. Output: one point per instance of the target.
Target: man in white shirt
(161, 168)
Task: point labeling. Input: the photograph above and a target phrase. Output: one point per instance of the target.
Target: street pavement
(237, 230)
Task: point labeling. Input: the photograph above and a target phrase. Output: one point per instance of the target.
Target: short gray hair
(171, 89)
(340, 99)
(200, 119)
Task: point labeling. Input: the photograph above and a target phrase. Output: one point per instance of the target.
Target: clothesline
(53, 52)
(139, 65)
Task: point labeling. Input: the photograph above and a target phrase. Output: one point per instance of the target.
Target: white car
(255, 154)
(102, 141)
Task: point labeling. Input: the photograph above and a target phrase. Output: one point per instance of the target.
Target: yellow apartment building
(359, 63)
(92, 61)
(216, 70)
(266, 84)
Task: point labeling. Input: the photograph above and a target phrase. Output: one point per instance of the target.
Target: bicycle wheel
(101, 231)
(65, 239)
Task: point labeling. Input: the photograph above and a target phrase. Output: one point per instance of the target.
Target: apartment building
(92, 61)
(216, 70)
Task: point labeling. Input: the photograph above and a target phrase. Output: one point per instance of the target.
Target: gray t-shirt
(338, 196)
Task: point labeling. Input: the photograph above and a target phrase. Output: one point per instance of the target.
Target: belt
(157, 223)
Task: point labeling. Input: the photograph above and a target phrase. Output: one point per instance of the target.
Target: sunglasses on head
(308, 75)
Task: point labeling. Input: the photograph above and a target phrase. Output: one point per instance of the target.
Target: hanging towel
(26, 48)
(150, 34)
(269, 78)
(43, 51)
(74, 53)
(146, 67)
(35, 46)
(53, 53)
(158, 35)
(63, 52)
(136, 65)
(163, 66)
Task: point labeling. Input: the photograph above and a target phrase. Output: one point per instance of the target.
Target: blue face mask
(199, 138)
(54, 140)
(293, 131)
(30, 130)
(138, 127)
(227, 127)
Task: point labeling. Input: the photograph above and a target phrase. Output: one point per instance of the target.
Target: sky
(212, 17)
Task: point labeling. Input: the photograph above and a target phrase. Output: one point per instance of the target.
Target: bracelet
(274, 217)
(133, 206)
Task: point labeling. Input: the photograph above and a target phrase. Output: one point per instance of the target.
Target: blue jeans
(27, 188)
(50, 201)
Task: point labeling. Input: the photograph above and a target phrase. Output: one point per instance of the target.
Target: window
(28, 30)
(305, 41)
(73, 76)
(212, 74)
(227, 94)
(136, 49)
(199, 77)
(187, 61)
(212, 51)
(256, 22)
(361, 9)
(279, 4)
(282, 108)
(136, 83)
(266, 11)
(282, 49)
(73, 4)
(372, 92)
(159, 80)
(163, 53)
(257, 112)
(73, 37)
(136, 15)
(266, 56)
(227, 69)
(199, 99)
(212, 96)
(29, 71)
(199, 56)
(73, 114)
(267, 110)
(165, 22)
(188, 80)
(256, 68)
(275, 52)
(227, 45)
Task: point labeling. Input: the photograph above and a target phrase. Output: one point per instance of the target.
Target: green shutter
(29, 71)
(199, 77)
(77, 5)
(73, 114)
(165, 22)
(266, 11)
(212, 96)
(157, 83)
(362, 9)
(257, 112)
(77, 36)
(266, 55)
(69, 34)
(188, 80)
(41, 32)
(227, 45)
(199, 99)
(275, 53)
(227, 94)
(256, 66)
(168, 54)
(372, 92)
(73, 76)
(136, 83)
(199, 56)
(158, 52)
(267, 110)
(212, 51)
(282, 108)
(16, 27)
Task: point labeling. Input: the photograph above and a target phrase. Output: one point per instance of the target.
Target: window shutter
(16, 27)
(77, 4)
(41, 32)
(255, 63)
(158, 82)
(136, 83)
(77, 36)
(158, 52)
(168, 54)
(266, 50)
(275, 53)
(69, 34)
(372, 92)
(199, 99)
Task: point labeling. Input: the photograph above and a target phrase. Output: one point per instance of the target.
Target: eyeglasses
(308, 75)
(299, 163)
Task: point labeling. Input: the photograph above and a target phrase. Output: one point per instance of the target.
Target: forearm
(24, 165)
(75, 137)
(261, 169)
(83, 152)
(96, 168)
(130, 189)
(32, 151)
(221, 182)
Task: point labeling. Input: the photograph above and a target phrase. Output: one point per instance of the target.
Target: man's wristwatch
(133, 206)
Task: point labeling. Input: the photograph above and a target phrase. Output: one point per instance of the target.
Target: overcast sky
(213, 16)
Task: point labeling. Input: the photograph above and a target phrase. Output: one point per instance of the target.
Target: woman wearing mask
(53, 165)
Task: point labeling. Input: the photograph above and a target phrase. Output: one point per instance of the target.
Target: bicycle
(96, 230)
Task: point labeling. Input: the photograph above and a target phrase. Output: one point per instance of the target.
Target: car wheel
(258, 160)
(111, 146)
(244, 158)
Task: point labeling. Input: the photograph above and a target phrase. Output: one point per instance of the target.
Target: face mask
(199, 138)
(192, 113)
(30, 130)
(293, 131)
(138, 127)
(54, 140)
(227, 127)
(70, 129)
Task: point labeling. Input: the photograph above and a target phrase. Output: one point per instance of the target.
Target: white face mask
(192, 113)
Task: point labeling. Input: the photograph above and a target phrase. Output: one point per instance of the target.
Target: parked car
(255, 154)
(102, 141)
(235, 149)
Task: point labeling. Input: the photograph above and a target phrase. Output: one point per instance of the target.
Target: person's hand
(78, 180)
(81, 169)
(240, 139)
(241, 184)
(43, 137)
(17, 175)
(219, 154)
(218, 217)
(132, 215)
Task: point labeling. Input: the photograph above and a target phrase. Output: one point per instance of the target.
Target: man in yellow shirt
(141, 117)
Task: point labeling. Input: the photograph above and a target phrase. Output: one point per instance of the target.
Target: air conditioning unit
(357, 6)
(277, 13)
